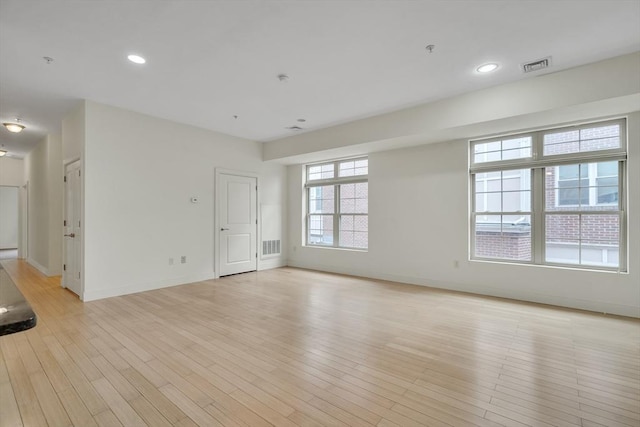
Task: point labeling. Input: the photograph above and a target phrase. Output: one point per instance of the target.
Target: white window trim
(336, 182)
(537, 163)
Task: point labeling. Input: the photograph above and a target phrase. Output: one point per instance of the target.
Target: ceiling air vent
(540, 64)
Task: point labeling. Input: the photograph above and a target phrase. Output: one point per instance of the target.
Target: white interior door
(72, 230)
(237, 198)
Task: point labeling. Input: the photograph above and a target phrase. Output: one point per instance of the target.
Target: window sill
(552, 266)
(336, 248)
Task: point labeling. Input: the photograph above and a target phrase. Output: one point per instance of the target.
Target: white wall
(43, 173)
(8, 217)
(11, 172)
(139, 175)
(35, 167)
(55, 198)
(418, 227)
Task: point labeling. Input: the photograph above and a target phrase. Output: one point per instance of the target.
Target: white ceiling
(210, 60)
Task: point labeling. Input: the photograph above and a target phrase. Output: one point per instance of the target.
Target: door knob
(72, 235)
(224, 229)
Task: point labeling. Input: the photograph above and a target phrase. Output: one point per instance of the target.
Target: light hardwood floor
(293, 347)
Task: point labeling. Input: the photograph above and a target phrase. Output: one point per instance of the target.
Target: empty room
(319, 213)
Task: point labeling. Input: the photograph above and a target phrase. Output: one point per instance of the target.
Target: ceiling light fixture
(14, 127)
(487, 68)
(136, 59)
(2, 153)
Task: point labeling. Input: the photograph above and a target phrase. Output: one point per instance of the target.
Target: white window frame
(336, 181)
(537, 163)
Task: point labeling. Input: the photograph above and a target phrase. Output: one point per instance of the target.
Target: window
(337, 204)
(551, 197)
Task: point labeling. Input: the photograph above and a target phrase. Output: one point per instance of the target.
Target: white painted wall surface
(42, 170)
(36, 175)
(139, 175)
(8, 217)
(418, 226)
(11, 172)
(55, 198)
(73, 134)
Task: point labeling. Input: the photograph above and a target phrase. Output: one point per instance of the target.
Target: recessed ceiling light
(136, 59)
(2, 153)
(487, 68)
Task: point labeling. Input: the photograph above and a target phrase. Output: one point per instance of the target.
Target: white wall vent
(270, 247)
(539, 64)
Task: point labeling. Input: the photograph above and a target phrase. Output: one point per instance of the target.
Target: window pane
(320, 230)
(508, 149)
(354, 231)
(316, 172)
(600, 240)
(354, 198)
(503, 237)
(607, 169)
(604, 229)
(583, 140)
(516, 201)
(608, 195)
(562, 240)
(354, 167)
(321, 199)
(600, 138)
(583, 239)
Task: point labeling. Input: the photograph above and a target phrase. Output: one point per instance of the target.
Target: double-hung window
(551, 197)
(337, 204)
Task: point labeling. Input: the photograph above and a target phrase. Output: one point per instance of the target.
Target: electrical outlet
(183, 259)
(170, 261)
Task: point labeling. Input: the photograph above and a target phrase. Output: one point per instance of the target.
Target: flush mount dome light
(487, 68)
(13, 127)
(136, 59)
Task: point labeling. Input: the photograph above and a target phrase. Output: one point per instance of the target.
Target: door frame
(23, 222)
(63, 282)
(216, 215)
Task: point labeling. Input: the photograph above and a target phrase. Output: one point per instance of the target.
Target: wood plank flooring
(290, 347)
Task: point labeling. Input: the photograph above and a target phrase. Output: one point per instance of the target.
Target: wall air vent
(539, 64)
(270, 247)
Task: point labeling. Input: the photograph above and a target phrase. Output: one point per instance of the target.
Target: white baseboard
(577, 303)
(92, 295)
(42, 269)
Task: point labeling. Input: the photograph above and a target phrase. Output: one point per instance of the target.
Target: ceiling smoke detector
(539, 64)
